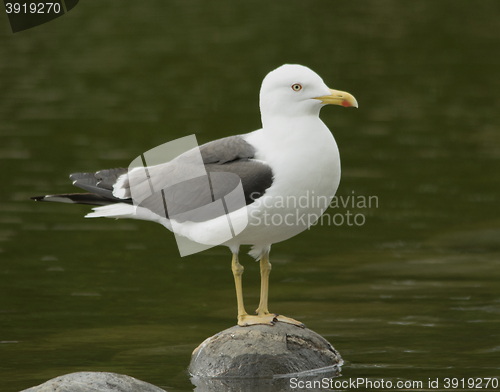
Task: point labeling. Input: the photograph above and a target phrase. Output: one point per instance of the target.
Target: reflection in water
(310, 381)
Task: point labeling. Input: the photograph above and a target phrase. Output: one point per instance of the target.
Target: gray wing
(177, 190)
(227, 150)
(100, 186)
(99, 183)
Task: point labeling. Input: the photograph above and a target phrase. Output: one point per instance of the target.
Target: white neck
(274, 110)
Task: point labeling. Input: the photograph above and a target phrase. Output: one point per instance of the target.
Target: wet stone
(94, 382)
(263, 351)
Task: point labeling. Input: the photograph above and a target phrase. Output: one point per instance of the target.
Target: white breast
(306, 167)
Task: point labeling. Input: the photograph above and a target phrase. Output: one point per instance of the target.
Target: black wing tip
(37, 198)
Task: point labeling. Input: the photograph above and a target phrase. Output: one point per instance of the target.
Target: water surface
(412, 294)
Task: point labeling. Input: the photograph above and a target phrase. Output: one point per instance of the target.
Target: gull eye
(296, 87)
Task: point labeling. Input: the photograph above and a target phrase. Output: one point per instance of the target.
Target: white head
(294, 90)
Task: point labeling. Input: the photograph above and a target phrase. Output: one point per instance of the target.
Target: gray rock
(94, 382)
(263, 351)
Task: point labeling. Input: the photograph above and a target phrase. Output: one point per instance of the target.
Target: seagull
(284, 176)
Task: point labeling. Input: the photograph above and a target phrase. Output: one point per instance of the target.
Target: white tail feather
(128, 211)
(119, 210)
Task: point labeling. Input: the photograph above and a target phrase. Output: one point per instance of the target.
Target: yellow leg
(244, 319)
(262, 310)
(265, 270)
(237, 272)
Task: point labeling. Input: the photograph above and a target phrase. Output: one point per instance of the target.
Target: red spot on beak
(346, 104)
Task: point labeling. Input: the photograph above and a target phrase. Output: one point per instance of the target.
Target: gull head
(294, 90)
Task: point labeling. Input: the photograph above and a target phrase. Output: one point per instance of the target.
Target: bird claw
(267, 319)
(264, 319)
(289, 320)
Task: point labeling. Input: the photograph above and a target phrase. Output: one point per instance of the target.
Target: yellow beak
(339, 98)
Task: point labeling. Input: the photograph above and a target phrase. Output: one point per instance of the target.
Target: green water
(412, 294)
